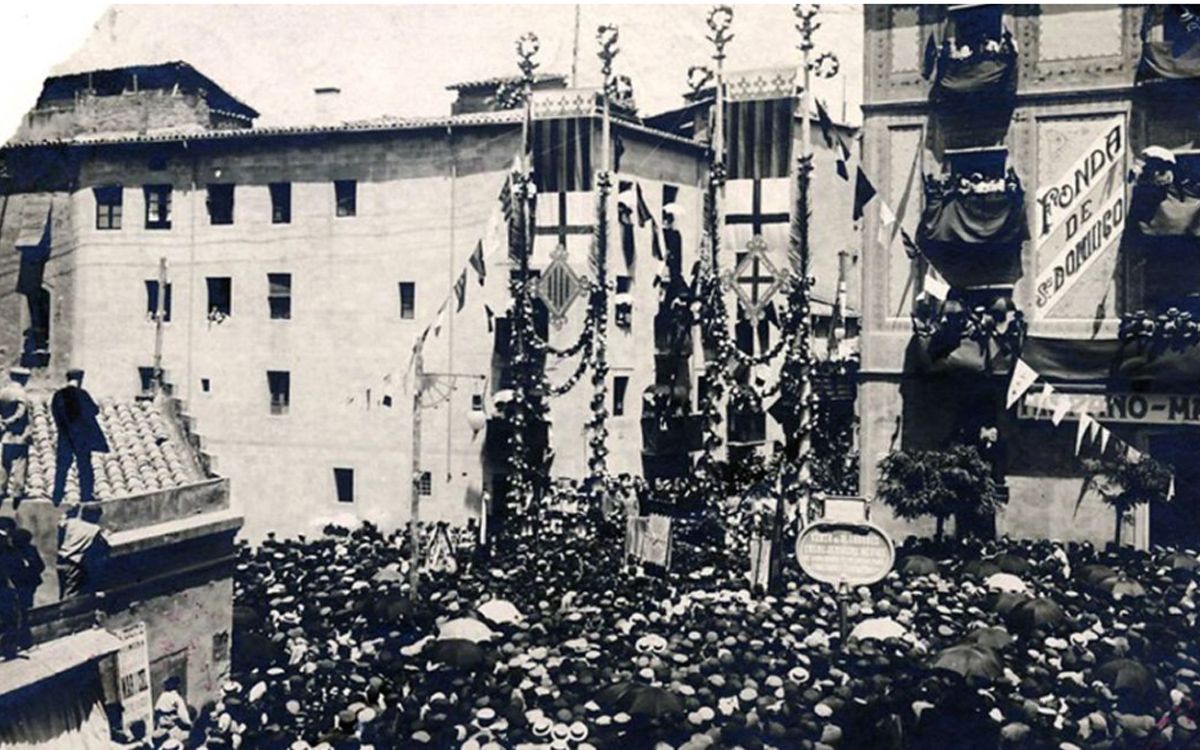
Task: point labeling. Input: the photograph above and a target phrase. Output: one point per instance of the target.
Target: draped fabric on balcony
(1171, 211)
(983, 81)
(1169, 61)
(973, 239)
(940, 356)
(1105, 360)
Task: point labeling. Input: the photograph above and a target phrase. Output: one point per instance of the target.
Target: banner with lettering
(1130, 408)
(133, 677)
(1081, 215)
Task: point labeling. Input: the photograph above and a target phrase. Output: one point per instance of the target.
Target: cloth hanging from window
(1163, 61)
(973, 84)
(1172, 211)
(975, 239)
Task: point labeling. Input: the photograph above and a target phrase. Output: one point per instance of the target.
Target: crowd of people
(552, 640)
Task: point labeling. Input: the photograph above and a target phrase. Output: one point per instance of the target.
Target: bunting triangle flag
(1133, 455)
(1171, 489)
(1082, 431)
(1023, 378)
(441, 315)
(1061, 407)
(1105, 434)
(477, 262)
(491, 318)
(1044, 398)
(460, 290)
(864, 191)
(825, 123)
(934, 285)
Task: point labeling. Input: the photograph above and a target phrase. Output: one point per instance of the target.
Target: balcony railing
(962, 336)
(973, 227)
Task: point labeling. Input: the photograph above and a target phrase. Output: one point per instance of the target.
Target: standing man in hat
(14, 443)
(82, 550)
(79, 436)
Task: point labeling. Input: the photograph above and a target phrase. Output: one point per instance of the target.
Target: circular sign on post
(854, 554)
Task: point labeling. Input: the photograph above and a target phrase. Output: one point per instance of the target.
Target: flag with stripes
(562, 154)
(645, 215)
(760, 118)
(477, 262)
(460, 290)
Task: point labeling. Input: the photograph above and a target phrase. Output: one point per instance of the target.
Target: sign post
(844, 554)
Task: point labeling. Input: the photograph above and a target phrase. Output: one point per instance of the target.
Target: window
(971, 25)
(220, 203)
(343, 479)
(346, 194)
(624, 284)
(220, 296)
(152, 300)
(281, 202)
(108, 206)
(425, 484)
(146, 380)
(280, 384)
(279, 295)
(158, 206)
(206, 385)
(620, 386)
(477, 402)
(408, 300)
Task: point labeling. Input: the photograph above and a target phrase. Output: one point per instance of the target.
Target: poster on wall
(133, 676)
(1080, 215)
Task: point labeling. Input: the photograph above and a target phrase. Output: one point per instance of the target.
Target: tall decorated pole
(720, 19)
(796, 373)
(606, 37)
(523, 193)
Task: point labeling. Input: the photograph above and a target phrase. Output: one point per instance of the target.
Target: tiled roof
(145, 453)
(497, 80)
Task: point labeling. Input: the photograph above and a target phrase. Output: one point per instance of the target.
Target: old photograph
(589, 377)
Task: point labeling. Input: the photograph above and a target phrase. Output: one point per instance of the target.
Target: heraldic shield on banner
(559, 286)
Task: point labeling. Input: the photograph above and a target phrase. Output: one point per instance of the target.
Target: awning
(975, 239)
(55, 657)
(1163, 61)
(1105, 360)
(35, 221)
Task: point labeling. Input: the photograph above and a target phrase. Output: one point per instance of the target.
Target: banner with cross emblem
(562, 244)
(756, 238)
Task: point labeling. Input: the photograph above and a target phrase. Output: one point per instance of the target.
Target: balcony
(973, 226)
(1165, 212)
(974, 332)
(976, 75)
(1169, 62)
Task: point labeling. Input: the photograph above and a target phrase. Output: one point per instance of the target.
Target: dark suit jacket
(78, 427)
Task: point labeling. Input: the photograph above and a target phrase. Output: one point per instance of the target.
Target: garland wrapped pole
(597, 426)
(796, 373)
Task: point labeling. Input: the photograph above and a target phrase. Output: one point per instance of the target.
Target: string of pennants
(1088, 431)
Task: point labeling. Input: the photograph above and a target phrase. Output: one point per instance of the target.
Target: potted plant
(1125, 483)
(939, 483)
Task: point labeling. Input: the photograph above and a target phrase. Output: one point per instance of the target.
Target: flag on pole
(1023, 378)
(644, 215)
(864, 191)
(477, 262)
(825, 123)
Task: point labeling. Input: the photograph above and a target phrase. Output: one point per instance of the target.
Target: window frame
(161, 193)
(281, 202)
(411, 287)
(621, 390)
(280, 398)
(210, 307)
(222, 194)
(345, 198)
(280, 298)
(346, 473)
(151, 287)
(425, 484)
(109, 213)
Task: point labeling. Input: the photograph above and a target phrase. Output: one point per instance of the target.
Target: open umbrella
(457, 653)
(655, 703)
(989, 637)
(1126, 676)
(1005, 582)
(971, 661)
(979, 568)
(246, 618)
(618, 696)
(1005, 601)
(1181, 561)
(500, 612)
(1121, 587)
(255, 651)
(388, 575)
(1009, 563)
(1093, 573)
(878, 628)
(465, 628)
(1036, 614)
(917, 565)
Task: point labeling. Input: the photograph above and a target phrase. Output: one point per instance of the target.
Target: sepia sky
(397, 60)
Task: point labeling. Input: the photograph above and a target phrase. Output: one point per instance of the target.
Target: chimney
(325, 105)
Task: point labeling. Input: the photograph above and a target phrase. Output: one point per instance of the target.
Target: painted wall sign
(856, 554)
(1081, 214)
(1135, 408)
(133, 676)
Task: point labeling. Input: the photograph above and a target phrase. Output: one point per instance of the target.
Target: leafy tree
(1125, 484)
(938, 483)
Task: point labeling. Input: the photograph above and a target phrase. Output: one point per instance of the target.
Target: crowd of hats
(143, 456)
(551, 641)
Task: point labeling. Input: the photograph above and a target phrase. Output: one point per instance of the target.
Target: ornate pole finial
(527, 46)
(607, 36)
(720, 18)
(806, 15)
